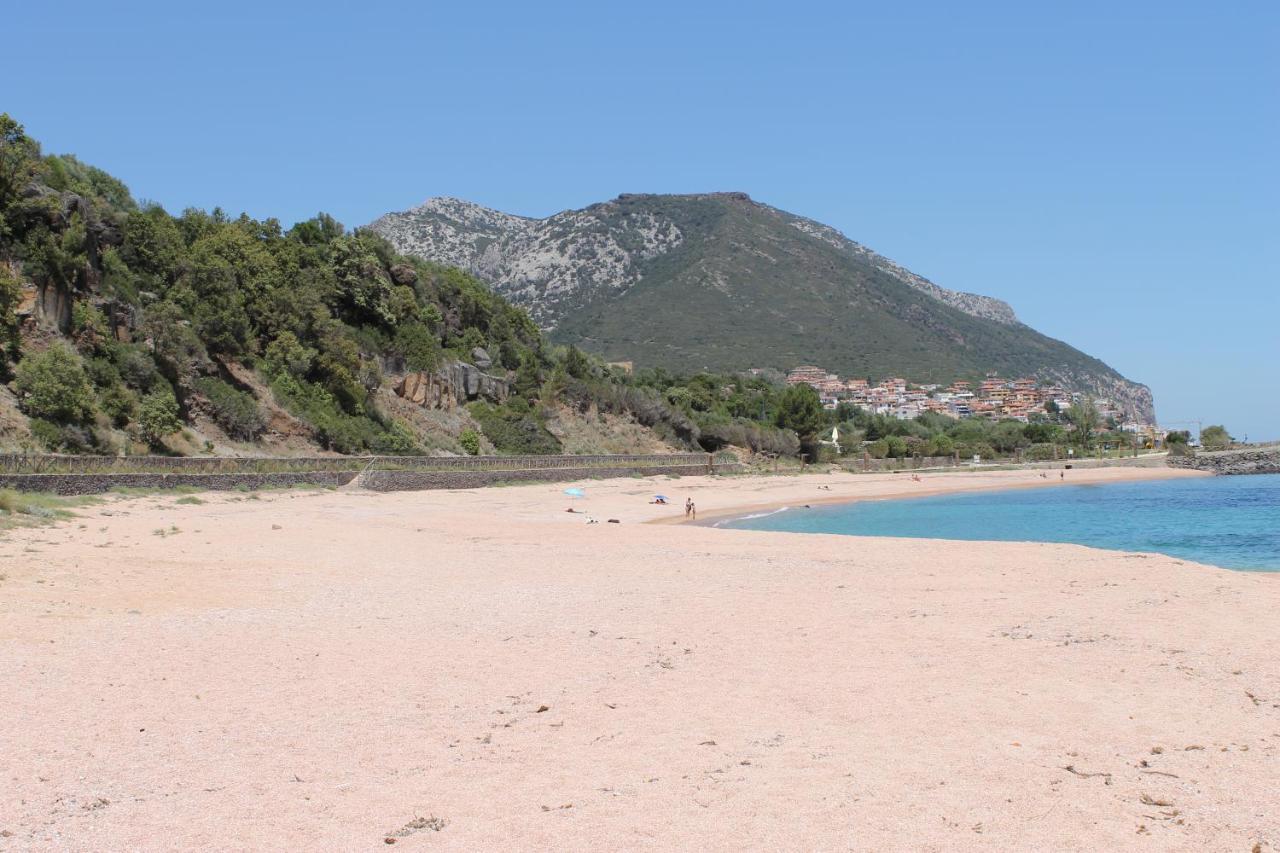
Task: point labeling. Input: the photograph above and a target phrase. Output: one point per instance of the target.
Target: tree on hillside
(800, 410)
(19, 162)
(1215, 437)
(52, 385)
(10, 296)
(1084, 417)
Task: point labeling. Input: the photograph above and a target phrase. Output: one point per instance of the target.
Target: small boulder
(480, 356)
(404, 274)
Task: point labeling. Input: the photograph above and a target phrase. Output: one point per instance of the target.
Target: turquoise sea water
(1232, 522)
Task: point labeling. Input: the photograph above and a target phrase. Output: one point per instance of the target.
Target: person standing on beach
(688, 506)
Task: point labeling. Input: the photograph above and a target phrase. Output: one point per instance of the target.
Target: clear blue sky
(1110, 169)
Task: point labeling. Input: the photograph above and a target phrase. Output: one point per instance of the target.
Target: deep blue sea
(1233, 522)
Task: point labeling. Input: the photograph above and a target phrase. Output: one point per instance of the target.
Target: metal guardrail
(69, 464)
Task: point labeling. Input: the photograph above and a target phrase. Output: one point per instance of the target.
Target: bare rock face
(451, 386)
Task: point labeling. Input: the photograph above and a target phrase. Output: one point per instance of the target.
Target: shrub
(61, 438)
(940, 445)
(335, 429)
(119, 404)
(1041, 452)
(419, 346)
(137, 368)
(233, 410)
(514, 433)
(470, 442)
(158, 414)
(52, 385)
(287, 354)
(1215, 437)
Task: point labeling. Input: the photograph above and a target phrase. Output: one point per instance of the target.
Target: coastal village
(995, 397)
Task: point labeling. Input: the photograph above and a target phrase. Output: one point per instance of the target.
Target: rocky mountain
(718, 281)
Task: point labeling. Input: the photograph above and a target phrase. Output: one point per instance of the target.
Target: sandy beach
(476, 670)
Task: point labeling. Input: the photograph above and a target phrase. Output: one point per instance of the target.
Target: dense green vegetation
(159, 305)
(154, 323)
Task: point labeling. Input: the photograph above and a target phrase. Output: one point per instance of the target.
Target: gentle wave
(750, 517)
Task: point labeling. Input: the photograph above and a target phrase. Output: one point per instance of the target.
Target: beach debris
(1148, 800)
(1157, 750)
(1254, 699)
(388, 840)
(542, 708)
(1106, 777)
(614, 521)
(435, 824)
(1193, 746)
(707, 743)
(276, 527)
(1157, 773)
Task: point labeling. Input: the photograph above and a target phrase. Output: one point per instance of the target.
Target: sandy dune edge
(316, 671)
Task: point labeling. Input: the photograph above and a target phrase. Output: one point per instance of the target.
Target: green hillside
(719, 282)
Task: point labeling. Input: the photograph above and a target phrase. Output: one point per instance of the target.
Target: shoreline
(1125, 475)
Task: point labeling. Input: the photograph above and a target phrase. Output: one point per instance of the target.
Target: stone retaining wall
(1245, 461)
(93, 484)
(72, 464)
(375, 480)
(398, 481)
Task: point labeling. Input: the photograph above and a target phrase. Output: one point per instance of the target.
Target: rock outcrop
(454, 384)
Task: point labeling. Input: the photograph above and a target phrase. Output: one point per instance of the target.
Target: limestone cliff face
(545, 265)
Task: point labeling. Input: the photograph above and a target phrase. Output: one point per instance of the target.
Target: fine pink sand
(315, 671)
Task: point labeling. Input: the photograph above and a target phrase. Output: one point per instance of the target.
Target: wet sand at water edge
(481, 670)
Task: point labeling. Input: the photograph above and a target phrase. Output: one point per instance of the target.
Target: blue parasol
(575, 493)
